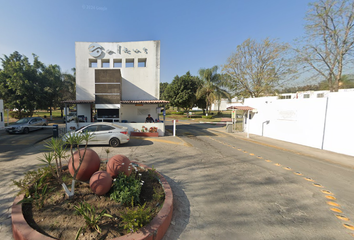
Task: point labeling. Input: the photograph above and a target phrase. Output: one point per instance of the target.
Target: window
(93, 63)
(90, 129)
(307, 95)
(142, 62)
(105, 63)
(117, 63)
(320, 95)
(105, 128)
(129, 62)
(285, 97)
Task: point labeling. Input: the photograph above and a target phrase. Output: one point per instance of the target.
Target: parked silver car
(103, 133)
(25, 125)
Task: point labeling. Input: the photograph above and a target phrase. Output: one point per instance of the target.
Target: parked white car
(71, 117)
(103, 133)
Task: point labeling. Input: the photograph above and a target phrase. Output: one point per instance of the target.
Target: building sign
(96, 50)
(139, 105)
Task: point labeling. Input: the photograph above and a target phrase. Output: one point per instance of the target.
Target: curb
(155, 230)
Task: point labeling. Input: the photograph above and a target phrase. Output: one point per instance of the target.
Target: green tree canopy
(20, 82)
(182, 91)
(211, 89)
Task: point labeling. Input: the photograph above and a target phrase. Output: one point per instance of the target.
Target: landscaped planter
(155, 230)
(144, 134)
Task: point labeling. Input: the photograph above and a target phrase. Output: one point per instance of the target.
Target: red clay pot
(100, 183)
(118, 164)
(89, 166)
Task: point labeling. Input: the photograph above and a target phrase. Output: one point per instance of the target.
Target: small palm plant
(89, 213)
(58, 152)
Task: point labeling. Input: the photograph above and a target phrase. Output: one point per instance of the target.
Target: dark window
(105, 128)
(108, 113)
(90, 129)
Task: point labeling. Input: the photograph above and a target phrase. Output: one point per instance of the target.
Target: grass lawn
(39, 113)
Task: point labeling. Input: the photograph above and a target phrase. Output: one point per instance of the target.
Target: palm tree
(212, 86)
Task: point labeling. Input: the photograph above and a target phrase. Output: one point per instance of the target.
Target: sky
(194, 34)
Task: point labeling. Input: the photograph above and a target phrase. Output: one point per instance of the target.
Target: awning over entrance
(246, 108)
(144, 102)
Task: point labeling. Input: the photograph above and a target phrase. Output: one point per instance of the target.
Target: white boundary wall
(324, 123)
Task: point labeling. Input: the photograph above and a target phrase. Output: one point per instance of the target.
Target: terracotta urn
(89, 166)
(100, 182)
(118, 164)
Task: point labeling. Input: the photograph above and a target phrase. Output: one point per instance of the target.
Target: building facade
(122, 79)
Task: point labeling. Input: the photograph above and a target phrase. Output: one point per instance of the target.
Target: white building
(118, 80)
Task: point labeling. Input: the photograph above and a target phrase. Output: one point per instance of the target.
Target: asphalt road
(12, 142)
(263, 192)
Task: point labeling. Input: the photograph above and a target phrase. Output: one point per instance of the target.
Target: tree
(163, 87)
(255, 69)
(329, 39)
(211, 88)
(20, 83)
(52, 85)
(346, 81)
(182, 91)
(68, 90)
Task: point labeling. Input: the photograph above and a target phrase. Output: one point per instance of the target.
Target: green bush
(207, 117)
(177, 113)
(125, 188)
(196, 116)
(135, 218)
(17, 114)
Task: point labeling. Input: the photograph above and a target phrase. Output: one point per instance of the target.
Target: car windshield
(23, 120)
(72, 114)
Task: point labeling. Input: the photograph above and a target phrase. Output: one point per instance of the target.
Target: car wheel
(114, 142)
(26, 130)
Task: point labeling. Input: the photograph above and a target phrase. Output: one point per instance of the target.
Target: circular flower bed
(153, 230)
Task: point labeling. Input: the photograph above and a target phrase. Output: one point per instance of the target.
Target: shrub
(126, 188)
(207, 117)
(196, 116)
(135, 218)
(177, 113)
(17, 114)
(32, 178)
(88, 212)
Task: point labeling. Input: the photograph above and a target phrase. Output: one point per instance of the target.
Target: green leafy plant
(152, 173)
(92, 219)
(38, 194)
(31, 177)
(58, 151)
(158, 194)
(135, 217)
(126, 188)
(107, 150)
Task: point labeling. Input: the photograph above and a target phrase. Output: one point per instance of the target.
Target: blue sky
(194, 34)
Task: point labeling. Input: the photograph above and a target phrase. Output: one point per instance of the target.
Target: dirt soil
(57, 218)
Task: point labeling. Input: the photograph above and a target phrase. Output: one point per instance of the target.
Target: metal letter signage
(95, 50)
